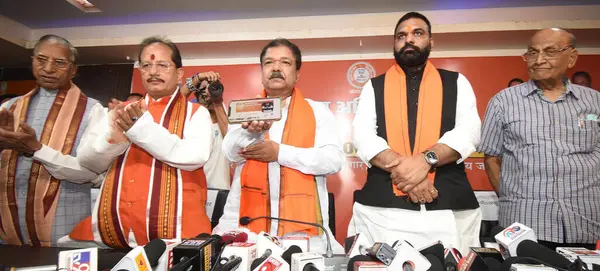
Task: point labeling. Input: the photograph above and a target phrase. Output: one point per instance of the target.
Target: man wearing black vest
(413, 127)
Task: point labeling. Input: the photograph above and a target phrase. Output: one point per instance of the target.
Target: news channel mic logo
(79, 261)
(512, 232)
(359, 74)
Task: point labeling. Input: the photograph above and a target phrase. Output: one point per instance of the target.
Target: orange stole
(59, 133)
(299, 198)
(429, 113)
(143, 194)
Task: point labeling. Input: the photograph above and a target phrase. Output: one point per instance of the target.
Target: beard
(414, 58)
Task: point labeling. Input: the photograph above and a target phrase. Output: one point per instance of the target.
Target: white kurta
(188, 153)
(216, 168)
(324, 159)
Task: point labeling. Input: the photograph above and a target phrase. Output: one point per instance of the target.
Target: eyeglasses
(532, 55)
(161, 67)
(283, 62)
(59, 64)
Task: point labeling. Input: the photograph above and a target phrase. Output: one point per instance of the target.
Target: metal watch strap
(189, 82)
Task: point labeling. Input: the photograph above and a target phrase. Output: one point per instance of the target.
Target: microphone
(231, 263)
(260, 259)
(408, 258)
(308, 261)
(363, 262)
(380, 251)
(78, 259)
(510, 238)
(142, 258)
(287, 255)
(475, 260)
(233, 237)
(436, 264)
(244, 221)
(493, 264)
(436, 249)
(196, 252)
(451, 258)
(273, 263)
(549, 257)
(226, 239)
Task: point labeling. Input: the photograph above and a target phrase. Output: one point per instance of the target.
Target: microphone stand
(328, 253)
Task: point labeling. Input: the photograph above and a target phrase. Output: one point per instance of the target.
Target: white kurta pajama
(325, 158)
(455, 228)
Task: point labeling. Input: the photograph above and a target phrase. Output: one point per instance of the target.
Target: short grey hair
(59, 40)
(572, 40)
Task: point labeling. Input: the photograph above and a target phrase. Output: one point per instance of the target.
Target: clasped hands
(123, 118)
(409, 174)
(22, 139)
(263, 151)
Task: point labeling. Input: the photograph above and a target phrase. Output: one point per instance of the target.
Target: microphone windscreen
(359, 258)
(154, 250)
(245, 220)
(436, 250)
(531, 249)
(492, 264)
(241, 238)
(234, 237)
(287, 255)
(203, 235)
(495, 230)
(596, 267)
(256, 263)
(436, 263)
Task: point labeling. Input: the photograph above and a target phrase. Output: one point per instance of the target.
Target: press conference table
(14, 256)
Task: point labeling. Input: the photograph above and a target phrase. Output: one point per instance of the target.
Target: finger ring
(134, 119)
(433, 191)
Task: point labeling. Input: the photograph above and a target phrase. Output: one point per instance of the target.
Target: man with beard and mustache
(44, 191)
(414, 126)
(541, 141)
(282, 165)
(154, 150)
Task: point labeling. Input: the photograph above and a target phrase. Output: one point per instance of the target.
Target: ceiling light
(84, 6)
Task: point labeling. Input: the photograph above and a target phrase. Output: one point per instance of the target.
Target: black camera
(216, 90)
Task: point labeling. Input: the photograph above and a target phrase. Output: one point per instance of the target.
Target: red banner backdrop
(338, 84)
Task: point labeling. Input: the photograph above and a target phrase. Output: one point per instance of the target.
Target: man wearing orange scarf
(44, 191)
(413, 127)
(154, 151)
(282, 165)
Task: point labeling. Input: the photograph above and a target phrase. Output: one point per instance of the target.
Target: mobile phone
(254, 110)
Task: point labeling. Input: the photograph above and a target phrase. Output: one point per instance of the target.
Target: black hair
(283, 42)
(413, 15)
(515, 80)
(586, 75)
(175, 54)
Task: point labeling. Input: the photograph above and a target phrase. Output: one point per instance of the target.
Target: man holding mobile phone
(282, 165)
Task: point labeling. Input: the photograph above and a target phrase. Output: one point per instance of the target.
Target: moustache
(276, 75)
(154, 78)
(409, 46)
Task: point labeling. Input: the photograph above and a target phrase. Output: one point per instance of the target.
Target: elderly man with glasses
(153, 151)
(541, 141)
(44, 191)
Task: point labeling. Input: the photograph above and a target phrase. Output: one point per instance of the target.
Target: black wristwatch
(431, 158)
